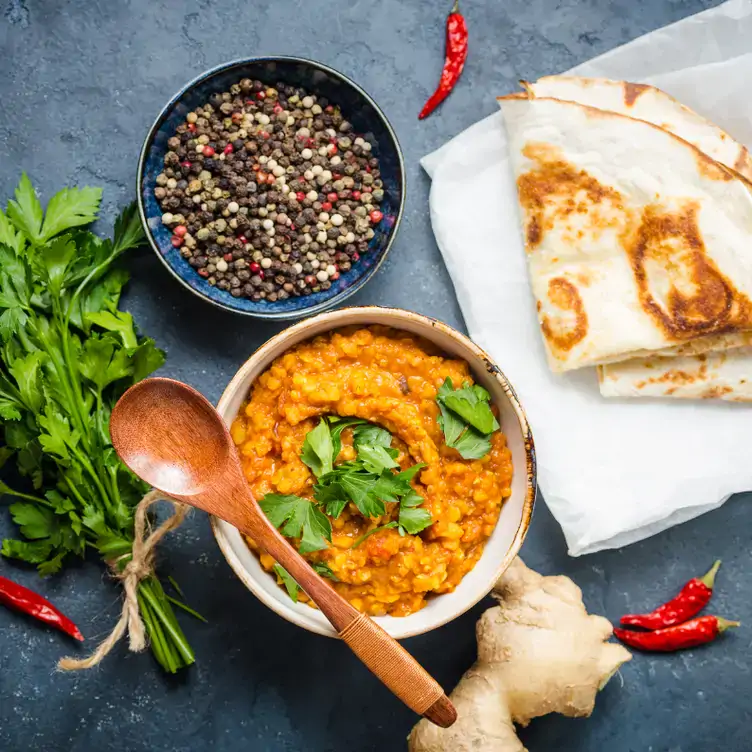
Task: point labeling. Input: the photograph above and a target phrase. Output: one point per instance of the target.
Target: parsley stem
(187, 609)
(393, 523)
(156, 636)
(98, 483)
(28, 497)
(166, 616)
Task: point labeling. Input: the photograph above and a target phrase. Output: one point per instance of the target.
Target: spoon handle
(398, 670)
(380, 652)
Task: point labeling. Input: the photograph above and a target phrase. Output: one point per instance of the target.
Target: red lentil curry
(390, 378)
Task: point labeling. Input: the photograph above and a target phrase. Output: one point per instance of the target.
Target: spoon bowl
(171, 436)
(149, 427)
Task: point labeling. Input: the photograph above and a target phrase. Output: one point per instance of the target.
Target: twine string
(140, 567)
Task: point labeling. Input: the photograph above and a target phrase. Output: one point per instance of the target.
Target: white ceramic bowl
(514, 520)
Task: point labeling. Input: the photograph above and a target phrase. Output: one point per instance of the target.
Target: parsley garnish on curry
(381, 459)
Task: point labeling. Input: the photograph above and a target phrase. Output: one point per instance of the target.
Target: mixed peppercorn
(268, 193)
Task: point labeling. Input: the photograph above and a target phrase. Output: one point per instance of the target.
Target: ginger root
(539, 652)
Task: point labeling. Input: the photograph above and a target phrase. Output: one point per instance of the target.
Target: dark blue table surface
(80, 83)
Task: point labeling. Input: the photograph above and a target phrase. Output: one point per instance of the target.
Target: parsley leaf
(318, 449)
(413, 519)
(376, 457)
(290, 584)
(337, 426)
(372, 434)
(71, 207)
(26, 211)
(298, 518)
(323, 569)
(456, 407)
(471, 403)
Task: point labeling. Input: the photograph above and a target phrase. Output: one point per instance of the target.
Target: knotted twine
(140, 567)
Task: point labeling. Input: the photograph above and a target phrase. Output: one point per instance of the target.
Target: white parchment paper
(612, 472)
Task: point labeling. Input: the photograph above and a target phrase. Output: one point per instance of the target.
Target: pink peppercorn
(176, 241)
(376, 216)
(326, 206)
(185, 164)
(228, 149)
(356, 195)
(243, 239)
(300, 196)
(203, 272)
(254, 267)
(180, 231)
(227, 257)
(356, 256)
(331, 196)
(209, 151)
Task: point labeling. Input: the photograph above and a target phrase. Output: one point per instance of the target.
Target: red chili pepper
(454, 62)
(692, 598)
(688, 635)
(28, 602)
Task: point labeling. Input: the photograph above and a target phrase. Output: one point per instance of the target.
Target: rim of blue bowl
(324, 305)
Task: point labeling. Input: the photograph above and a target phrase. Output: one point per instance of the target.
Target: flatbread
(652, 105)
(712, 376)
(716, 375)
(637, 241)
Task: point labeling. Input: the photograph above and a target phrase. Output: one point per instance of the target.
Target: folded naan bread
(653, 105)
(719, 375)
(638, 242)
(714, 375)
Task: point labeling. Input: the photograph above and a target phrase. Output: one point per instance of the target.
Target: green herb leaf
(318, 449)
(34, 520)
(372, 434)
(414, 519)
(119, 322)
(471, 443)
(34, 552)
(291, 586)
(298, 518)
(53, 262)
(371, 532)
(376, 457)
(471, 403)
(26, 211)
(359, 487)
(71, 207)
(337, 426)
(324, 570)
(129, 232)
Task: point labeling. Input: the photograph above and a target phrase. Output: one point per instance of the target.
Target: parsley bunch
(67, 353)
(370, 482)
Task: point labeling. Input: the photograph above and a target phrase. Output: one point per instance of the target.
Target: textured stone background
(80, 83)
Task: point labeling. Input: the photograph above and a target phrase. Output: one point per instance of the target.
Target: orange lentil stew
(390, 379)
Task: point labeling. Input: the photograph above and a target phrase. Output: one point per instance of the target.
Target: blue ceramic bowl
(367, 119)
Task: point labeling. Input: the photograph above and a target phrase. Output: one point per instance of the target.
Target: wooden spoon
(172, 437)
